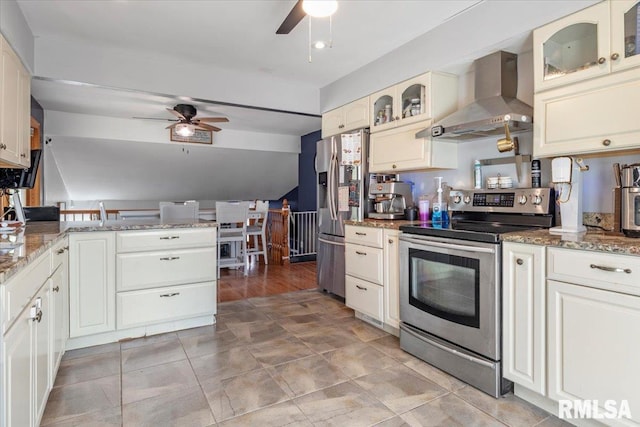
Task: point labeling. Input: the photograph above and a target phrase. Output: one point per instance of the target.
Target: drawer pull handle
(360, 234)
(169, 237)
(361, 253)
(172, 294)
(56, 289)
(611, 269)
(362, 288)
(169, 258)
(519, 261)
(60, 251)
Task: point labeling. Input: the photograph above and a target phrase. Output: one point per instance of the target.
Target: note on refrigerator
(343, 199)
(351, 149)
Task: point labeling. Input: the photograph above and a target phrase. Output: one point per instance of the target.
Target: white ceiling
(233, 34)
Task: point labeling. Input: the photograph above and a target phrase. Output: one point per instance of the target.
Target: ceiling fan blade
(175, 113)
(172, 126)
(213, 119)
(156, 118)
(292, 19)
(207, 127)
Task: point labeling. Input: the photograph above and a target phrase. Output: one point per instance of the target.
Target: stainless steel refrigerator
(343, 188)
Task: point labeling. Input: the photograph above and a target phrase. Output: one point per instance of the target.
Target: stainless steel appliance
(390, 199)
(631, 200)
(343, 186)
(450, 281)
(495, 104)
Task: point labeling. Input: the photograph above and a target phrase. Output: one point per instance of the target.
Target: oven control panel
(512, 200)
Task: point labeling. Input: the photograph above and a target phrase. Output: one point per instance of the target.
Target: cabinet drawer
(364, 297)
(367, 236)
(22, 287)
(145, 270)
(620, 273)
(364, 262)
(59, 254)
(136, 308)
(135, 241)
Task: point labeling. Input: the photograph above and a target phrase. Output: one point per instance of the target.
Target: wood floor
(264, 280)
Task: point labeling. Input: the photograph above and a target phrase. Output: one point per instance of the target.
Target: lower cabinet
(594, 347)
(372, 274)
(26, 366)
(524, 315)
(92, 284)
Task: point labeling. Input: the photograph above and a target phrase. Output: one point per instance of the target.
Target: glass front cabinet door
(382, 109)
(625, 34)
(572, 48)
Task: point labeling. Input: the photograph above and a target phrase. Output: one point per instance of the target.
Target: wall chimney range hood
(496, 85)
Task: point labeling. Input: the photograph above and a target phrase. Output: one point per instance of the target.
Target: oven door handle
(449, 245)
(409, 329)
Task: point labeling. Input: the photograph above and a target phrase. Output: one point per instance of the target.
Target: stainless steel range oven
(450, 282)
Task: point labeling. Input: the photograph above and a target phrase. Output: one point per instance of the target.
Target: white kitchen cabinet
(59, 287)
(165, 275)
(26, 361)
(354, 115)
(427, 96)
(15, 109)
(372, 274)
(92, 284)
(594, 116)
(524, 315)
(398, 150)
(391, 281)
(593, 347)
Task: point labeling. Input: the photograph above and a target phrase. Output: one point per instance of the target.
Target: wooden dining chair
(232, 220)
(257, 231)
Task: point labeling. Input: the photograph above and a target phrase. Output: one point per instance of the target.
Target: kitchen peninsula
(72, 285)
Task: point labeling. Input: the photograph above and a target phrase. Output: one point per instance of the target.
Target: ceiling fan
(186, 121)
(302, 8)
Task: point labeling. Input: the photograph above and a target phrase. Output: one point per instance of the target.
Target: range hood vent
(496, 85)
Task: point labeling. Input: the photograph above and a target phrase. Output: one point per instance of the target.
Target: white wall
(15, 29)
(90, 158)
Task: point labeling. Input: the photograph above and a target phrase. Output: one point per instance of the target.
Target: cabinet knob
(3, 146)
(394, 166)
(56, 289)
(519, 261)
(602, 60)
(23, 155)
(390, 241)
(606, 142)
(397, 117)
(614, 56)
(60, 251)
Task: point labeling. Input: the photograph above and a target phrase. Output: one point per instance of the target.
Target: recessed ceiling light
(319, 44)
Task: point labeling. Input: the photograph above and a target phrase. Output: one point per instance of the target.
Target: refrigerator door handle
(320, 239)
(333, 185)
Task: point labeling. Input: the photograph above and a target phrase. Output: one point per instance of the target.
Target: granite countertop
(603, 241)
(393, 224)
(38, 237)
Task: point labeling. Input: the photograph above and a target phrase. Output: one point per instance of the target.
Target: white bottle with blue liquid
(440, 213)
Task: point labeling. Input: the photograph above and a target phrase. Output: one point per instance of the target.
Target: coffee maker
(566, 175)
(390, 199)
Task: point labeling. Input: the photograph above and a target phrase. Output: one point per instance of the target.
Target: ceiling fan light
(185, 129)
(320, 8)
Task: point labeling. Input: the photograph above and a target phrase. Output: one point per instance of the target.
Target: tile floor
(295, 359)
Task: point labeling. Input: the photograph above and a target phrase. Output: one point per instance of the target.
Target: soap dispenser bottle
(439, 213)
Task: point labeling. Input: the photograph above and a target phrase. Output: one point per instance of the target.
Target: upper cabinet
(586, 83)
(593, 42)
(15, 109)
(428, 96)
(354, 115)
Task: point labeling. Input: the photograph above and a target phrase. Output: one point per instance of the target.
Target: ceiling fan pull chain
(330, 31)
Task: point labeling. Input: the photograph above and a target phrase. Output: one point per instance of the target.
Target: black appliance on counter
(450, 281)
